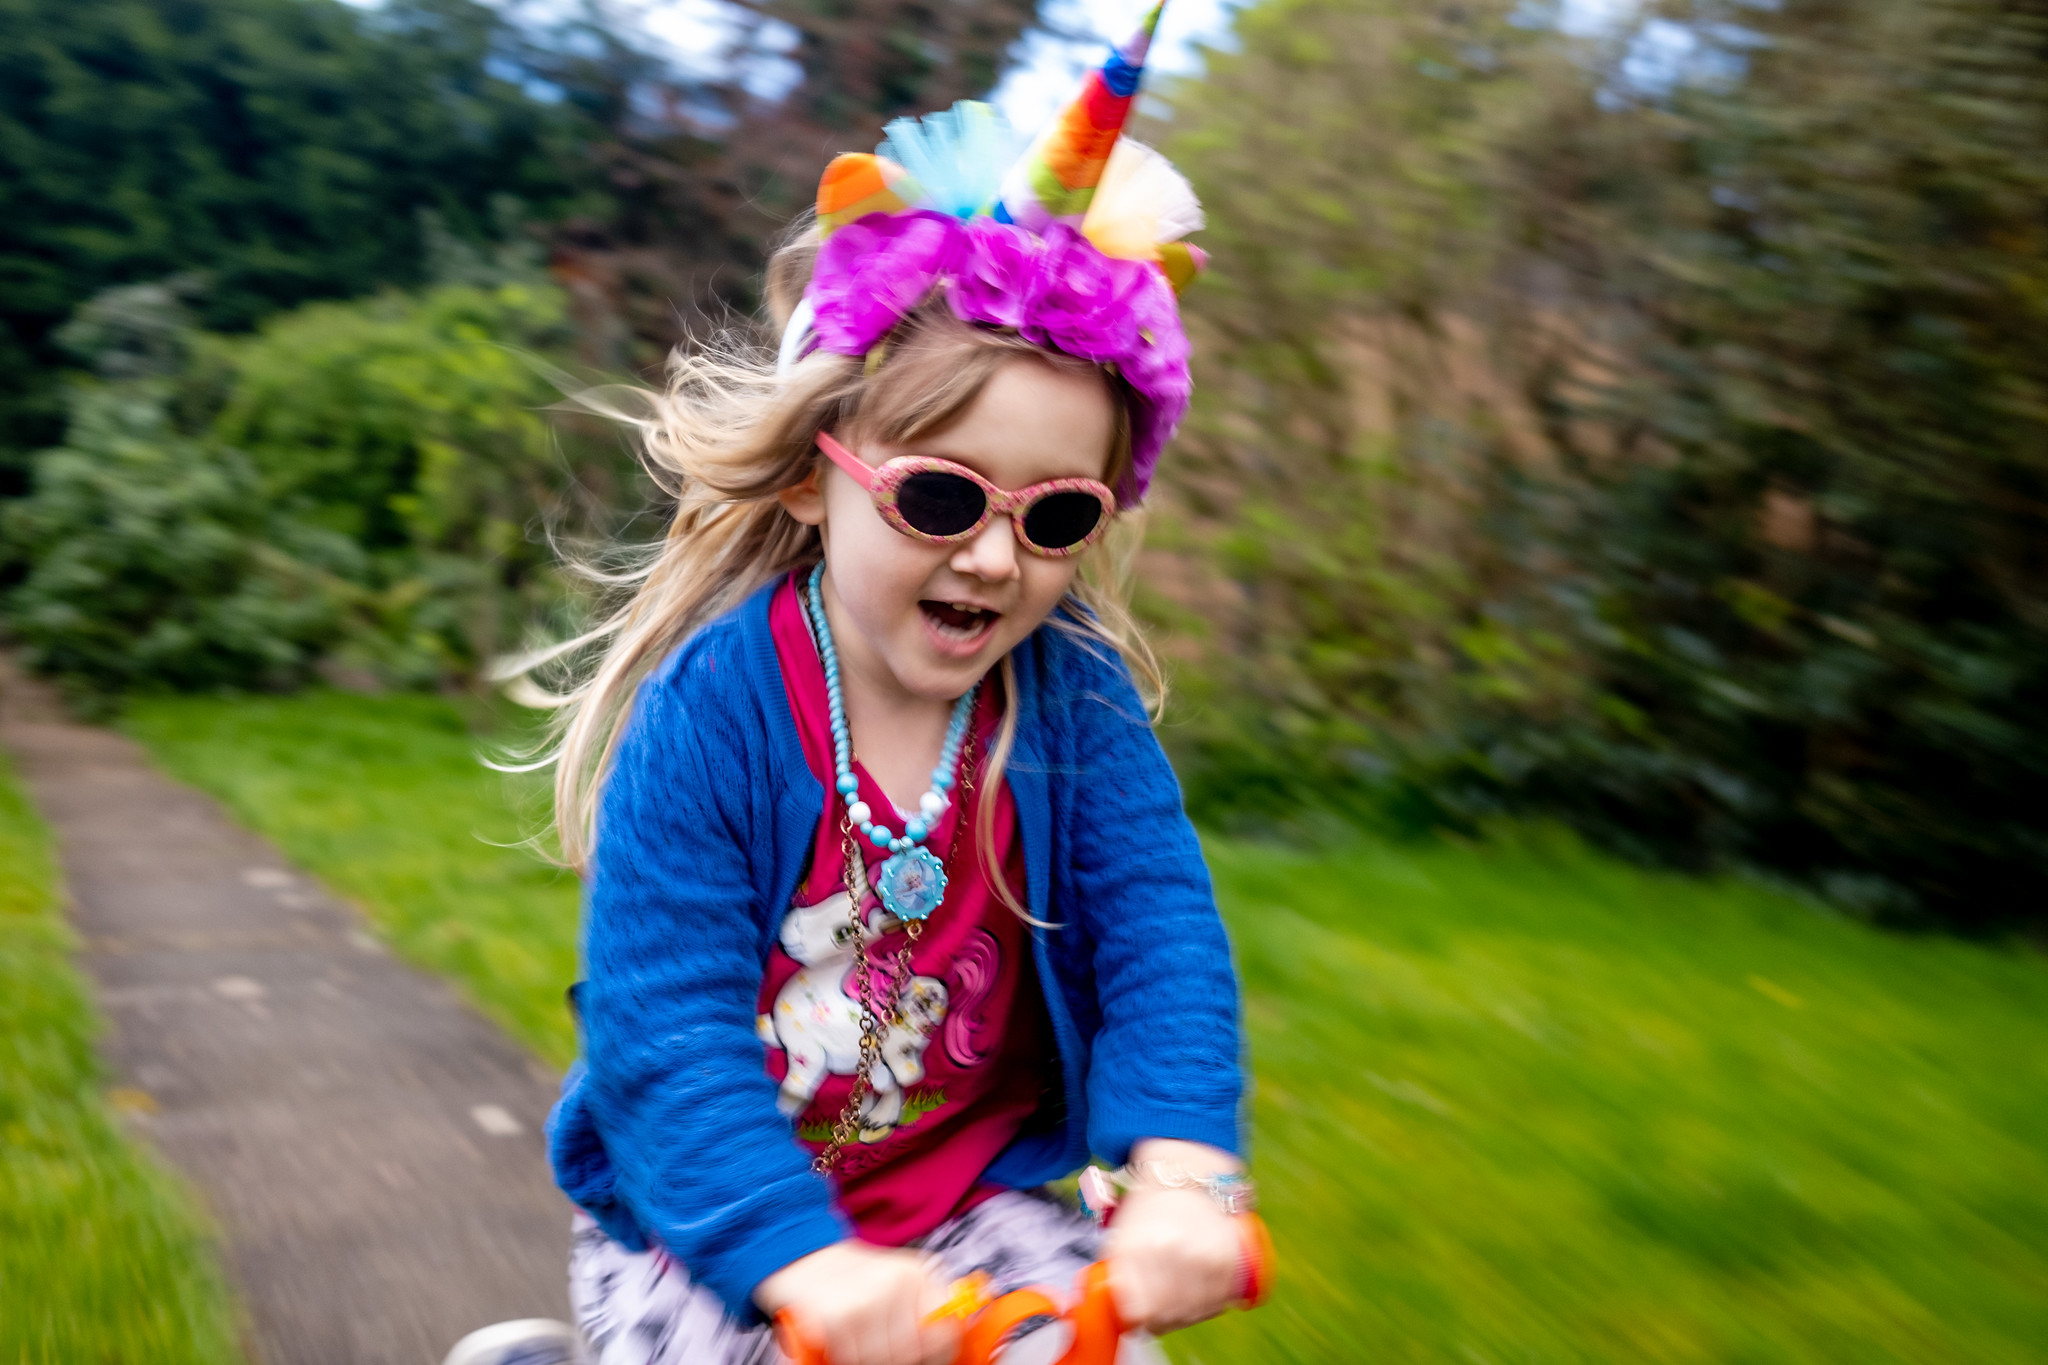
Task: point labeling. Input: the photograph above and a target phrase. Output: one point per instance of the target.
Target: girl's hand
(1173, 1254)
(866, 1305)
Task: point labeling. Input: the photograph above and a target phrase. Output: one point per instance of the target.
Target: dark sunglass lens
(940, 504)
(1059, 520)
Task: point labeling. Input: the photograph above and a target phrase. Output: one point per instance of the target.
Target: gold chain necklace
(874, 1022)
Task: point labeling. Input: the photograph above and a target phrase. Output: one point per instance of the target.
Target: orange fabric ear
(859, 183)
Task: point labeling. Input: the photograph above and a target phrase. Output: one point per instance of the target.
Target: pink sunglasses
(942, 503)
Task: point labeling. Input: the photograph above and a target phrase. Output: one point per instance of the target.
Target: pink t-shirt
(953, 1089)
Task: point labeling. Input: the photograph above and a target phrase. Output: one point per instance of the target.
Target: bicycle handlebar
(1094, 1321)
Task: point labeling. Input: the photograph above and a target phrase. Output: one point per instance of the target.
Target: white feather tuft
(1141, 202)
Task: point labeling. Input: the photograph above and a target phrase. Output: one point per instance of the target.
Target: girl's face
(927, 621)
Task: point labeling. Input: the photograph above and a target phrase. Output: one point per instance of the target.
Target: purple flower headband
(1053, 287)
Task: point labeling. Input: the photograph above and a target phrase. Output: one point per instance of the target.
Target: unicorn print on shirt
(815, 1019)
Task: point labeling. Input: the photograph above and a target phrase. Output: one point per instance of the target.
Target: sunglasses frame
(883, 483)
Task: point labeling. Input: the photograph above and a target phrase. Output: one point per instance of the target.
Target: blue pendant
(911, 884)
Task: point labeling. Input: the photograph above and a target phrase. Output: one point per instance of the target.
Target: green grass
(104, 1257)
(1516, 1102)
(1521, 1103)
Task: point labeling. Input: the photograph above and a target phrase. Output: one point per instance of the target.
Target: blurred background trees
(1652, 440)
(1327, 513)
(284, 148)
(480, 197)
(1810, 512)
(1646, 429)
(356, 483)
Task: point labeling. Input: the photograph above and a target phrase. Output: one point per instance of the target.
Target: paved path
(369, 1145)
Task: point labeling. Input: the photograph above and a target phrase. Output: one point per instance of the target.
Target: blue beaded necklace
(912, 882)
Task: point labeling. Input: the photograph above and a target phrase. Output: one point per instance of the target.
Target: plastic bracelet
(1231, 1191)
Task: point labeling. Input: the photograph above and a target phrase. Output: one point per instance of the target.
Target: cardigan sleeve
(674, 944)
(1166, 1062)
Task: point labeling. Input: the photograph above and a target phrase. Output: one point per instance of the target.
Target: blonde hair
(723, 440)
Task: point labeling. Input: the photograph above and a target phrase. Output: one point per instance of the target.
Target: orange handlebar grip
(985, 1332)
(1098, 1327)
(1255, 1266)
(796, 1343)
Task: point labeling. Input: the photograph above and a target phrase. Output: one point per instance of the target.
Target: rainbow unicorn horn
(1056, 179)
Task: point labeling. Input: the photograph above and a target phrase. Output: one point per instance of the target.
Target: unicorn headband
(1076, 245)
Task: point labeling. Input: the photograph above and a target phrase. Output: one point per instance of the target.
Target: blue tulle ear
(958, 157)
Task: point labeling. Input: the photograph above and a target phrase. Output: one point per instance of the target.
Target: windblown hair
(723, 440)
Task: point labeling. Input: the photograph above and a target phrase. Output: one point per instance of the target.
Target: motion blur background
(1605, 576)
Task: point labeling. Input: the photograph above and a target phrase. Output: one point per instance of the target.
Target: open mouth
(959, 621)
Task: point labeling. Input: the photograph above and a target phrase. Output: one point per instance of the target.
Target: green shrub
(156, 561)
(414, 426)
(1672, 462)
(1347, 602)
(401, 420)
(368, 482)
(281, 148)
(1802, 527)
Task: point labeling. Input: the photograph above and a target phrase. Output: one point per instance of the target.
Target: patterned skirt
(641, 1308)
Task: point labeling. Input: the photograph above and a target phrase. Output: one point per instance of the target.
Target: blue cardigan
(667, 1131)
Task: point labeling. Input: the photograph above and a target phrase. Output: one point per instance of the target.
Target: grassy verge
(1521, 1103)
(1517, 1103)
(103, 1257)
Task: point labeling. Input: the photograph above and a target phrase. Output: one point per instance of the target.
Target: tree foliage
(859, 63)
(1670, 459)
(416, 427)
(156, 560)
(701, 174)
(284, 148)
(1811, 534)
(366, 483)
(292, 150)
(186, 182)
(1326, 505)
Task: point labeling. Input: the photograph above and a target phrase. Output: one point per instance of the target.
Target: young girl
(893, 912)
